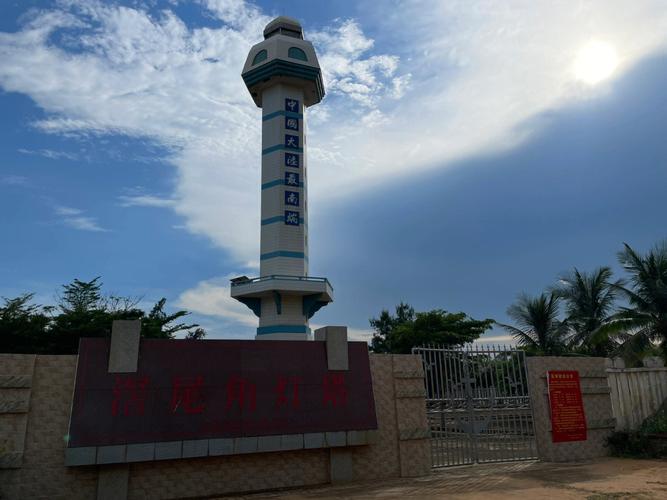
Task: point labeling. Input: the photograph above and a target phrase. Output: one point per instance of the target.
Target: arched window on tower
(259, 57)
(297, 53)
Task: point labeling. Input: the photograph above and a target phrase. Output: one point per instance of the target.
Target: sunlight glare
(595, 62)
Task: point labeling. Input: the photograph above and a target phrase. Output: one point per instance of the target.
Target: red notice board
(568, 421)
(198, 389)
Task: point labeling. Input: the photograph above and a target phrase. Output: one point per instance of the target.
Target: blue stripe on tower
(282, 113)
(278, 218)
(283, 253)
(281, 147)
(263, 330)
(279, 182)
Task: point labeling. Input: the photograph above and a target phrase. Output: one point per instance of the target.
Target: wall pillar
(336, 339)
(595, 392)
(124, 351)
(112, 480)
(16, 379)
(414, 443)
(341, 468)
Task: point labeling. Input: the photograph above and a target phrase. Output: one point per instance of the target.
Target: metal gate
(478, 405)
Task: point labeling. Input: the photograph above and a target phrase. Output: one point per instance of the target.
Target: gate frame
(437, 385)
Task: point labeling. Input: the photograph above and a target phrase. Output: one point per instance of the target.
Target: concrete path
(604, 479)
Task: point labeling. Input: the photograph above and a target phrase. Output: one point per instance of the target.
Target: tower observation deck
(283, 76)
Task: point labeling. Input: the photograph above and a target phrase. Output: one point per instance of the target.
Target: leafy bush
(629, 444)
(82, 311)
(657, 424)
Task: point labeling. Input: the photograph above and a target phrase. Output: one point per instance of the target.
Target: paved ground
(604, 479)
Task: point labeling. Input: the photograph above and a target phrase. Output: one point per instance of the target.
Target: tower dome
(283, 25)
(283, 57)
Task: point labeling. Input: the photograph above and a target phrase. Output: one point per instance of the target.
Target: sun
(595, 62)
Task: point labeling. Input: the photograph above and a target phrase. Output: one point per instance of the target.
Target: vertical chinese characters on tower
(292, 197)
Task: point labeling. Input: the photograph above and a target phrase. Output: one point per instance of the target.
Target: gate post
(597, 408)
(470, 407)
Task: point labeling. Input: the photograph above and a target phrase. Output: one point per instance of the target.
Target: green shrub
(629, 444)
(638, 444)
(657, 424)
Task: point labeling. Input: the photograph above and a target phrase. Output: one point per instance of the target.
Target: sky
(466, 151)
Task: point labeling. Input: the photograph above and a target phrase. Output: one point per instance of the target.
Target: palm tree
(644, 323)
(589, 303)
(538, 328)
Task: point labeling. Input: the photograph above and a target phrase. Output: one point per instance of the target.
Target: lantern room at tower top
(283, 56)
(283, 77)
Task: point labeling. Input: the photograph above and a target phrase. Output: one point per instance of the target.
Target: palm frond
(537, 322)
(589, 301)
(522, 337)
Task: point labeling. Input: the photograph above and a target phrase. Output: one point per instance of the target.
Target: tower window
(259, 57)
(297, 53)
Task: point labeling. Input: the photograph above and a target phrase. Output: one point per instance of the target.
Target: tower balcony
(315, 292)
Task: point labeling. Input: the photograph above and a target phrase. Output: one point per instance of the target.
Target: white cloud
(212, 298)
(374, 119)
(84, 224)
(67, 211)
(14, 180)
(49, 153)
(146, 200)
(359, 334)
(367, 80)
(75, 218)
(345, 38)
(499, 340)
(356, 334)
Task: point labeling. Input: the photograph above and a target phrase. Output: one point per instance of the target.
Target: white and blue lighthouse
(283, 76)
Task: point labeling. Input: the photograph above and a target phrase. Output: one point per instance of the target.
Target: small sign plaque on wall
(568, 421)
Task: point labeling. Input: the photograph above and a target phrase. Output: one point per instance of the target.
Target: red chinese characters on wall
(334, 392)
(207, 389)
(129, 395)
(287, 391)
(188, 394)
(242, 393)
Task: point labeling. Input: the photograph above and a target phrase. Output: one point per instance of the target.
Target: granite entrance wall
(35, 404)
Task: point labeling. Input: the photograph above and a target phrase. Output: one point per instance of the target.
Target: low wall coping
(146, 452)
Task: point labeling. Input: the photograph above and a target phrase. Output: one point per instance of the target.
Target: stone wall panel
(597, 407)
(381, 459)
(44, 475)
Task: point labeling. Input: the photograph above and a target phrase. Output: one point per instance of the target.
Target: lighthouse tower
(283, 77)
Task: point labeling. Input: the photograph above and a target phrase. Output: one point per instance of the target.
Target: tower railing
(283, 277)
